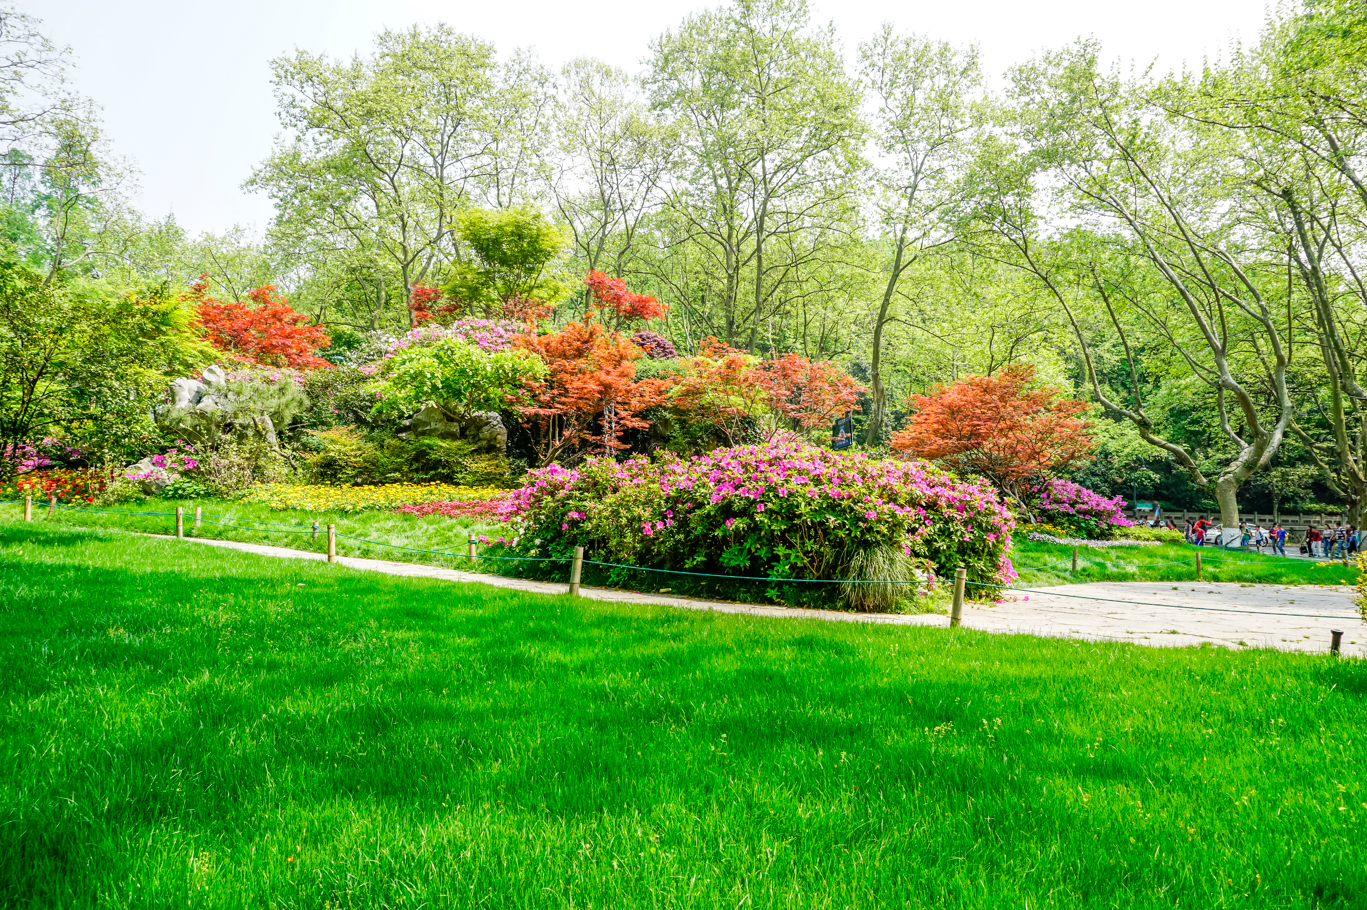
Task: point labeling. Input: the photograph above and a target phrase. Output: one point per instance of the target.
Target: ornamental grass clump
(781, 511)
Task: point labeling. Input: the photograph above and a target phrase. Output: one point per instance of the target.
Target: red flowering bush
(779, 511)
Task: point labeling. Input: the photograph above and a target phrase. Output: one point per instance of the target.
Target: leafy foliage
(734, 391)
(998, 427)
(457, 376)
(589, 393)
(270, 334)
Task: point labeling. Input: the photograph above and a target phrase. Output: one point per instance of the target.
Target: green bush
(347, 456)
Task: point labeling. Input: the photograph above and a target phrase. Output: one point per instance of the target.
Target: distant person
(1258, 537)
(1245, 535)
(1312, 541)
(1279, 539)
(1340, 541)
(1198, 531)
(1352, 541)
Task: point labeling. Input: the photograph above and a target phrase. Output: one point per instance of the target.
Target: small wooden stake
(315, 530)
(198, 514)
(473, 555)
(956, 612)
(51, 506)
(1198, 565)
(1335, 639)
(180, 522)
(332, 543)
(576, 568)
(1074, 559)
(28, 508)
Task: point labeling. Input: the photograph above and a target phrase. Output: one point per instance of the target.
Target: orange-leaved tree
(1002, 427)
(590, 393)
(611, 295)
(744, 396)
(270, 334)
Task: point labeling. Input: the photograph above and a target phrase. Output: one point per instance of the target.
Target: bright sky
(185, 84)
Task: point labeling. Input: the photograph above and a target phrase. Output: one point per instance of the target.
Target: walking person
(1352, 541)
(1312, 541)
(1340, 540)
(1279, 539)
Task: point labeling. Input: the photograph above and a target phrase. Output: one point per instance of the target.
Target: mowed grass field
(188, 727)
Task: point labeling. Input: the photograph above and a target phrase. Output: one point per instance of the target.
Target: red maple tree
(741, 394)
(591, 386)
(999, 427)
(270, 334)
(612, 294)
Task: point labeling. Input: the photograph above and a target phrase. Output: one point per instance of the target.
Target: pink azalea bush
(784, 510)
(488, 335)
(495, 509)
(1075, 508)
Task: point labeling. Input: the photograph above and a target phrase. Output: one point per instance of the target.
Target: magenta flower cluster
(268, 375)
(30, 456)
(1069, 505)
(181, 459)
(486, 334)
(784, 510)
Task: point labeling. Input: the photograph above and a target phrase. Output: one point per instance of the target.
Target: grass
(1167, 562)
(409, 538)
(182, 728)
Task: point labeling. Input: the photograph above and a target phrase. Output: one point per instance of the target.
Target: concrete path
(1288, 618)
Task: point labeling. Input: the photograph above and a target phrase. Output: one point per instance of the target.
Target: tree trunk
(1226, 489)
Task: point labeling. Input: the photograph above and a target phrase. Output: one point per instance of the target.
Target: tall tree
(923, 95)
(770, 136)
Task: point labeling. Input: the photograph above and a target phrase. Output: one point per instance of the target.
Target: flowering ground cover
(67, 484)
(197, 728)
(781, 511)
(328, 498)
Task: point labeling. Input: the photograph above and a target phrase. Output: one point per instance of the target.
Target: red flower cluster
(67, 484)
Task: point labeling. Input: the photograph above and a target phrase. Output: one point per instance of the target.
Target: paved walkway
(1288, 618)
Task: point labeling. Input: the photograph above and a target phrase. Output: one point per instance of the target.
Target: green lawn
(181, 727)
(411, 539)
(1167, 562)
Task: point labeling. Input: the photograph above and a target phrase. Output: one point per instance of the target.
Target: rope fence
(578, 561)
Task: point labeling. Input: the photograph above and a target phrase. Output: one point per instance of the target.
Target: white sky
(185, 84)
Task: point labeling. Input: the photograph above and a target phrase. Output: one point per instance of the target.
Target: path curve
(1164, 620)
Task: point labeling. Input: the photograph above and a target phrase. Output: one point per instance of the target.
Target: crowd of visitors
(1340, 541)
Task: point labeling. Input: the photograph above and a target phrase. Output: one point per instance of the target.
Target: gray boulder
(484, 429)
(151, 478)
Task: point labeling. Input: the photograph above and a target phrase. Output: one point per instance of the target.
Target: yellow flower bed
(322, 498)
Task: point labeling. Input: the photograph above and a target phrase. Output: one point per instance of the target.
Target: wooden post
(199, 510)
(474, 555)
(956, 612)
(332, 543)
(1198, 565)
(1074, 559)
(315, 531)
(1335, 639)
(180, 522)
(576, 568)
(51, 506)
(28, 508)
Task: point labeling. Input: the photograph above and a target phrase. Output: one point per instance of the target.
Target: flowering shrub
(656, 346)
(67, 484)
(320, 498)
(491, 509)
(779, 511)
(22, 457)
(1076, 509)
(488, 335)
